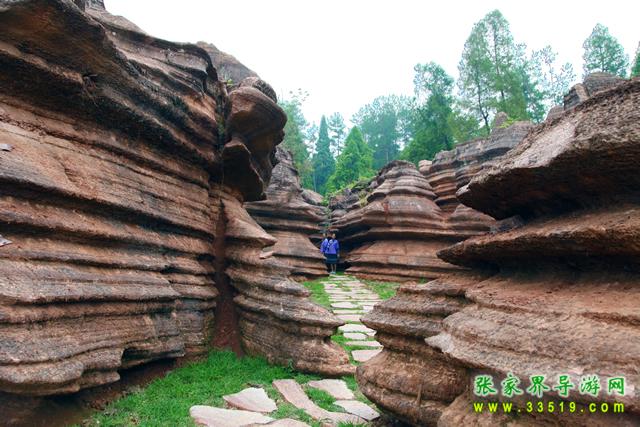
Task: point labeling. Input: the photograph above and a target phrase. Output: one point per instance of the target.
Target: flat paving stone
(355, 336)
(375, 344)
(217, 417)
(294, 394)
(251, 399)
(347, 311)
(364, 355)
(336, 388)
(349, 317)
(287, 422)
(343, 305)
(358, 408)
(355, 328)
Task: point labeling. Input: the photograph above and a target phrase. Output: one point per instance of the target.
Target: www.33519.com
(550, 407)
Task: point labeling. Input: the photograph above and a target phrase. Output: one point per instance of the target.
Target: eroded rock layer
(556, 294)
(291, 219)
(276, 318)
(394, 226)
(116, 151)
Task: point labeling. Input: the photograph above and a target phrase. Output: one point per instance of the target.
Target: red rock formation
(277, 319)
(288, 217)
(118, 150)
(393, 226)
(557, 294)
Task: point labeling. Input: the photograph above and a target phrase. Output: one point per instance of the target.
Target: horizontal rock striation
(561, 293)
(276, 318)
(395, 227)
(392, 226)
(291, 219)
(117, 151)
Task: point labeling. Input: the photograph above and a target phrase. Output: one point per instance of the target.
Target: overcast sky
(347, 52)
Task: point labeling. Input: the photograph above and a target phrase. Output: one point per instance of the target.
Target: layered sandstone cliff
(392, 226)
(118, 151)
(396, 227)
(291, 219)
(557, 294)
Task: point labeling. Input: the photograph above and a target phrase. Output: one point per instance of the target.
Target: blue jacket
(323, 246)
(332, 247)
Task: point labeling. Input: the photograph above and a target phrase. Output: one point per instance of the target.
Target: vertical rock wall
(120, 156)
(292, 220)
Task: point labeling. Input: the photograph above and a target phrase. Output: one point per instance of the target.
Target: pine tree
(323, 161)
(336, 133)
(354, 163)
(603, 52)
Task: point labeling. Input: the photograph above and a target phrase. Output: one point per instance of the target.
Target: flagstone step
(364, 355)
(375, 344)
(358, 408)
(336, 388)
(294, 394)
(251, 399)
(210, 416)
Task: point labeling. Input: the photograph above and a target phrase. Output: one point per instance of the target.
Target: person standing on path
(332, 253)
(323, 248)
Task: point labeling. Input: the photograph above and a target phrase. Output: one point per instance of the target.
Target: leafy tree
(295, 136)
(494, 73)
(323, 161)
(554, 81)
(432, 130)
(354, 163)
(603, 52)
(635, 69)
(384, 124)
(337, 132)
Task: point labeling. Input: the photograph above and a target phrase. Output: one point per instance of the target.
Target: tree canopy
(496, 74)
(353, 164)
(603, 52)
(385, 126)
(323, 161)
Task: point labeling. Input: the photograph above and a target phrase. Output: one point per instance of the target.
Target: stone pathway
(350, 299)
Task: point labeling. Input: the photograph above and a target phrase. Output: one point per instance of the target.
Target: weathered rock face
(119, 155)
(556, 295)
(288, 217)
(276, 318)
(393, 226)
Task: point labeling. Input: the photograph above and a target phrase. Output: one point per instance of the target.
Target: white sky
(347, 52)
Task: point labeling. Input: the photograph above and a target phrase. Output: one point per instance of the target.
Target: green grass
(166, 401)
(383, 289)
(318, 294)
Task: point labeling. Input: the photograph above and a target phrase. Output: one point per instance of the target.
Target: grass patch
(318, 294)
(166, 401)
(385, 290)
